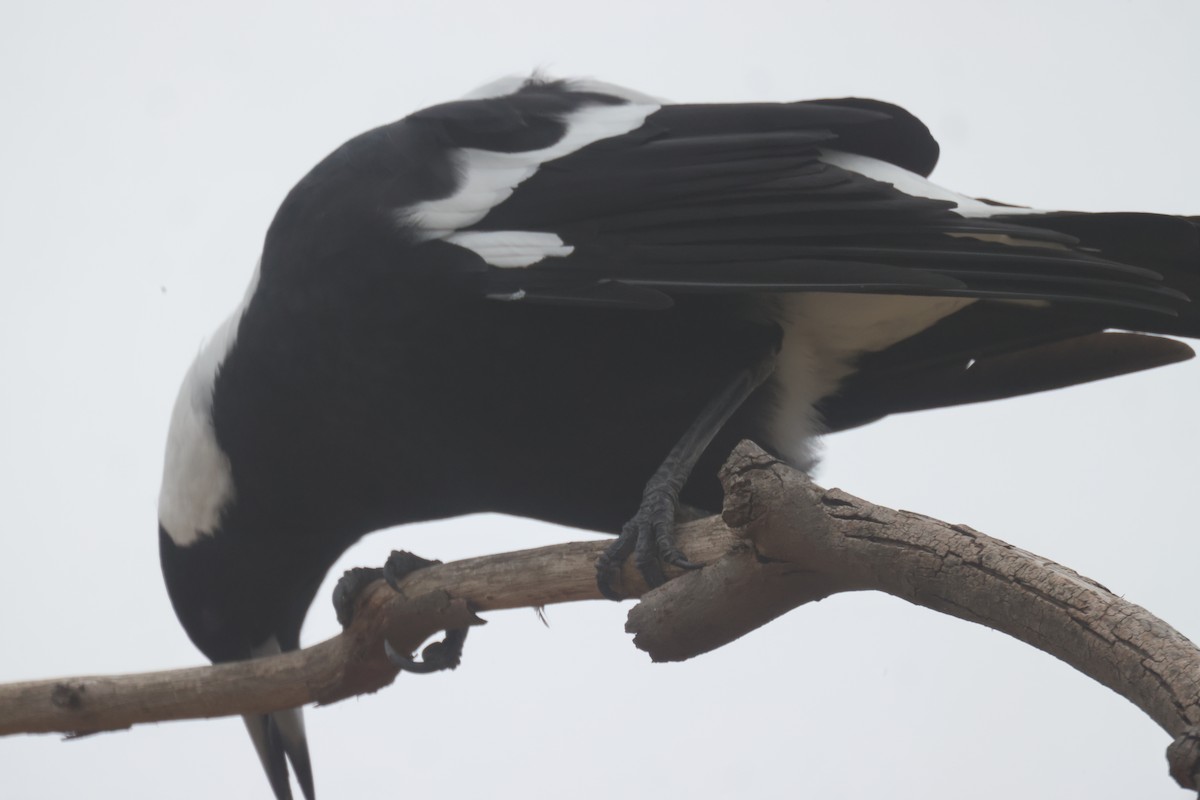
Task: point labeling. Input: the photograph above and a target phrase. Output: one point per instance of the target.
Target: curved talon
(403, 663)
(436, 657)
(669, 552)
(646, 559)
(678, 559)
(649, 537)
(604, 584)
(608, 565)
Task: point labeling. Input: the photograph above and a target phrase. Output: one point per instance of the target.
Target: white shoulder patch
(489, 178)
(512, 248)
(197, 479)
(913, 184)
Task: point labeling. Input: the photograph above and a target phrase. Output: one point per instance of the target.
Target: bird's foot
(438, 656)
(353, 581)
(401, 564)
(349, 588)
(650, 535)
(650, 538)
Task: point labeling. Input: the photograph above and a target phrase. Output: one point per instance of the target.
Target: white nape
(197, 478)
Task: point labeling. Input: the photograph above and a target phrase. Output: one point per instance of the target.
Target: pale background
(143, 150)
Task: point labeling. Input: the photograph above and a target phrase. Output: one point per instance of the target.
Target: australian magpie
(567, 300)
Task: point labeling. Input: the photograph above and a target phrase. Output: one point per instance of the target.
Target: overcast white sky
(144, 147)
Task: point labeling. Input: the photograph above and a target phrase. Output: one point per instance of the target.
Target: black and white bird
(566, 300)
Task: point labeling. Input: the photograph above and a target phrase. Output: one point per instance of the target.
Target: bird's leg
(446, 654)
(650, 534)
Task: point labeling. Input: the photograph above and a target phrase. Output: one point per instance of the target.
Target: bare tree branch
(780, 542)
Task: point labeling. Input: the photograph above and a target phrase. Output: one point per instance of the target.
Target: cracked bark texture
(808, 543)
(780, 542)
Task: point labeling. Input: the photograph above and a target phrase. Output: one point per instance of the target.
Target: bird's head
(229, 619)
(206, 560)
(235, 600)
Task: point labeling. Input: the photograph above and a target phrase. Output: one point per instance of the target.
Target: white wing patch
(489, 178)
(824, 334)
(913, 184)
(197, 478)
(512, 248)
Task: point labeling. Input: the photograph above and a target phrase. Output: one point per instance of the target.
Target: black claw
(604, 582)
(650, 538)
(405, 663)
(608, 566)
(646, 559)
(436, 657)
(669, 552)
(679, 560)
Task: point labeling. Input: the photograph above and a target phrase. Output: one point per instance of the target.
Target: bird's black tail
(279, 738)
(994, 350)
(1168, 245)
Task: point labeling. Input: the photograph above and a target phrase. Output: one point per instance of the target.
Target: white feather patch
(489, 178)
(913, 184)
(824, 334)
(197, 478)
(512, 248)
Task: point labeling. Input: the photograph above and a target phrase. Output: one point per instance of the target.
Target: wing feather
(755, 197)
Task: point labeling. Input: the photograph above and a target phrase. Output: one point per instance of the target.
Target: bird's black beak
(279, 738)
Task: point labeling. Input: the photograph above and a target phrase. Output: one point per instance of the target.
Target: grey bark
(780, 542)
